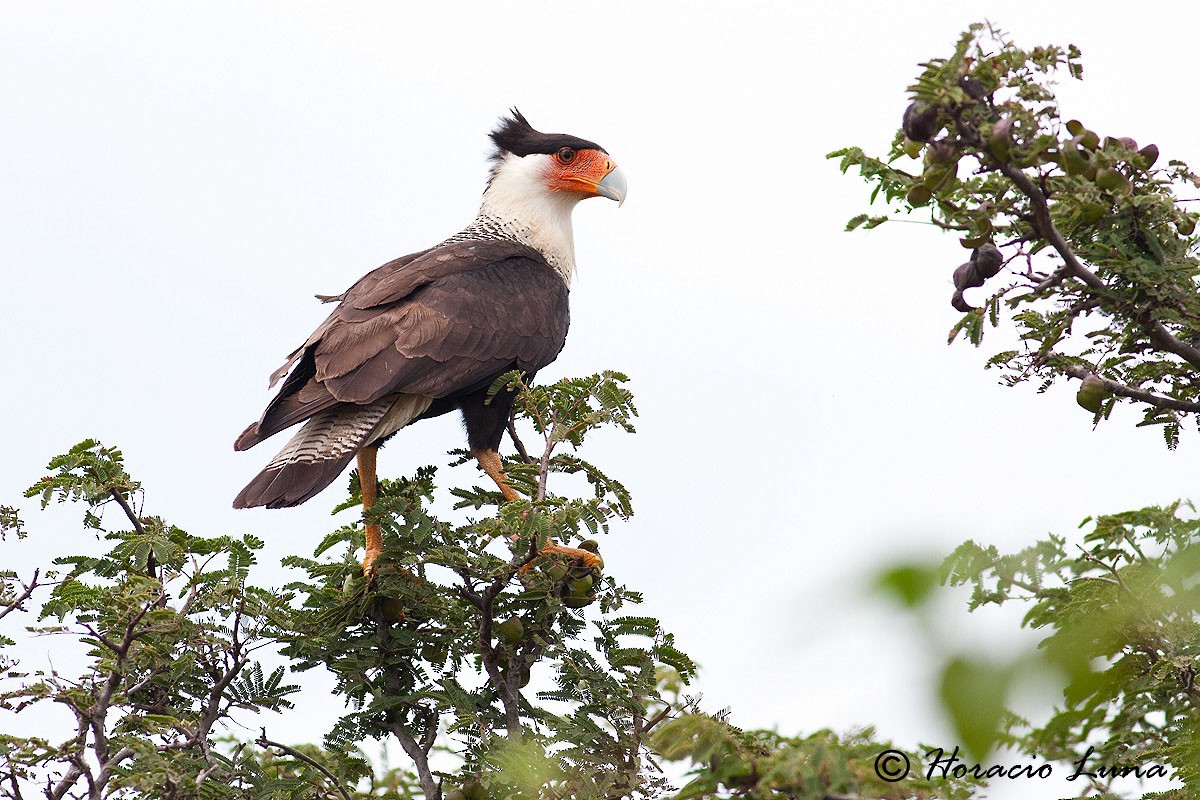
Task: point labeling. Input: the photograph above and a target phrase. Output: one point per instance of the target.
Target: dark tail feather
(291, 484)
(314, 457)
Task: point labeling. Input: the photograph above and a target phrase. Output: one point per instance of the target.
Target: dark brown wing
(441, 324)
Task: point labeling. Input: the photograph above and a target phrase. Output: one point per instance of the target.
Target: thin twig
(13, 605)
(263, 741)
(544, 462)
(151, 563)
(657, 718)
(512, 432)
(124, 504)
(16, 786)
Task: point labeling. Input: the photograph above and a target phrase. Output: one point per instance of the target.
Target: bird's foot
(584, 558)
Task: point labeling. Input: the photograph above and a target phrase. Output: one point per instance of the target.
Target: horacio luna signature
(1087, 766)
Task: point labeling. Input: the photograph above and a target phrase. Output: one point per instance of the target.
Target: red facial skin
(579, 171)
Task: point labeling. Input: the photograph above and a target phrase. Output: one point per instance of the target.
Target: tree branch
(15, 604)
(124, 504)
(263, 741)
(544, 462)
(420, 759)
(1045, 225)
(1121, 390)
(106, 771)
(512, 432)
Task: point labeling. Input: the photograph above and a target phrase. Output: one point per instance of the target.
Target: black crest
(515, 135)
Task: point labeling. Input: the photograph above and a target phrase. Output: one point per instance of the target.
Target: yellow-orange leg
(368, 486)
(585, 557)
(490, 461)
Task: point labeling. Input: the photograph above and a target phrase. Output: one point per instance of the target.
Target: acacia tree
(502, 669)
(498, 666)
(1081, 239)
(1086, 251)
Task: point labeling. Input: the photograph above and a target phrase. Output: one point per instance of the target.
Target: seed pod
(555, 570)
(987, 259)
(1000, 139)
(940, 176)
(966, 276)
(972, 87)
(941, 152)
(474, 790)
(918, 195)
(960, 303)
(1147, 156)
(920, 121)
(511, 630)
(1092, 393)
(1111, 180)
(581, 586)
(1074, 159)
(578, 601)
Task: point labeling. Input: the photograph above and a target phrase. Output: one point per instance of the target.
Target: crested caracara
(430, 332)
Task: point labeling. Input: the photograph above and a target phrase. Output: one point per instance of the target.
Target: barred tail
(320, 451)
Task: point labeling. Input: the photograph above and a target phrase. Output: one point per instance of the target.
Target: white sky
(178, 180)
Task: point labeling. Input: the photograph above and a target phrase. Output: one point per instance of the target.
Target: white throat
(518, 202)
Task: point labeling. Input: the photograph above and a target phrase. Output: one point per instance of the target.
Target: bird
(430, 332)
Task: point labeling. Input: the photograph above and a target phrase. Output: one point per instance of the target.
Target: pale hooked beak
(613, 186)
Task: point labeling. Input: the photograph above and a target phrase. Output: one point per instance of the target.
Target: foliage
(1121, 612)
(765, 764)
(1082, 239)
(496, 652)
(1090, 259)
(505, 661)
(450, 630)
(168, 630)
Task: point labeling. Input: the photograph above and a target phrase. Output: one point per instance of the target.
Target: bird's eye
(566, 155)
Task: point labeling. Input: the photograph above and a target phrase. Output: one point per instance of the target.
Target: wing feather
(438, 323)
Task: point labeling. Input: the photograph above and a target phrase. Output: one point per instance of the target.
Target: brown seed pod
(920, 121)
(1147, 156)
(972, 87)
(960, 303)
(966, 276)
(1000, 139)
(941, 152)
(987, 259)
